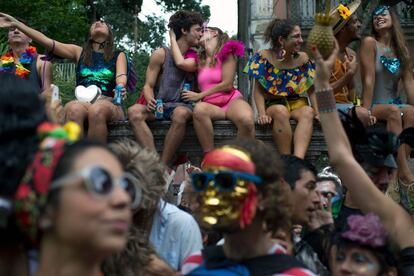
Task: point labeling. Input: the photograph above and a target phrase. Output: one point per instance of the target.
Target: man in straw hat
(347, 28)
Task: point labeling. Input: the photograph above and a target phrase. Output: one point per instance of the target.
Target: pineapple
(322, 35)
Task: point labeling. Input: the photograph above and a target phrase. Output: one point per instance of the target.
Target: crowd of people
(71, 204)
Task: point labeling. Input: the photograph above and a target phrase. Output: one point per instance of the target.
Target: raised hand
(7, 21)
(324, 67)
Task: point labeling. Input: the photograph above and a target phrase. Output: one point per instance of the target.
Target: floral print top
(281, 82)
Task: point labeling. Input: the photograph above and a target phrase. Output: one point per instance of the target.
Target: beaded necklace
(22, 68)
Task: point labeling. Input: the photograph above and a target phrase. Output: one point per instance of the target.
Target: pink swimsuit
(211, 76)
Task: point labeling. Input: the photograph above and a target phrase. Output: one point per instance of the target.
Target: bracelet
(53, 47)
(369, 113)
(326, 100)
(120, 75)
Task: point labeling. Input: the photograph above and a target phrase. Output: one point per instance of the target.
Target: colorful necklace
(22, 68)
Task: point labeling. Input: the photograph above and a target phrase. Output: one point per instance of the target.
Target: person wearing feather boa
(218, 99)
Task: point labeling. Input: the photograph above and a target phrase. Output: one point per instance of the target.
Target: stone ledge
(224, 131)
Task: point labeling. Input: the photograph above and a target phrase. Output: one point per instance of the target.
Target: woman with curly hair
(385, 61)
(282, 76)
(241, 195)
(218, 99)
(139, 256)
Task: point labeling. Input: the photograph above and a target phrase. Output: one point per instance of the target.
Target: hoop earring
(280, 56)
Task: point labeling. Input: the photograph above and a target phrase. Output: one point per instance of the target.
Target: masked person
(241, 195)
(362, 185)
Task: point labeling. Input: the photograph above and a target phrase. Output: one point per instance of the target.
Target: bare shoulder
(266, 53)
(158, 56)
(368, 42)
(303, 57)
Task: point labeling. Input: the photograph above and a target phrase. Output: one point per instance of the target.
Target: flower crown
(366, 230)
(31, 195)
(344, 12)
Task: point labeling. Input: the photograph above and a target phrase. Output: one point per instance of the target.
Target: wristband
(326, 100)
(369, 113)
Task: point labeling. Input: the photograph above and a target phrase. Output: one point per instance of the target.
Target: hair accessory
(342, 13)
(22, 68)
(31, 195)
(380, 10)
(366, 230)
(231, 158)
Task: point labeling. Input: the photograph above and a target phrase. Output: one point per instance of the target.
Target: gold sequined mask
(226, 190)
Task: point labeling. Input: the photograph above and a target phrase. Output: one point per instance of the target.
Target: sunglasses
(224, 181)
(99, 182)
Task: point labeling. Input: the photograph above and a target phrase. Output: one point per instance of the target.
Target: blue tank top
(100, 73)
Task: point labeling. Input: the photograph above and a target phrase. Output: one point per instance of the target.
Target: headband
(31, 195)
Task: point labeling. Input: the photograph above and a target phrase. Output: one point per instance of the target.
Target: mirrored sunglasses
(223, 181)
(99, 182)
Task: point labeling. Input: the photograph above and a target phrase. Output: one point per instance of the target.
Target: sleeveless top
(171, 81)
(281, 82)
(100, 73)
(211, 76)
(341, 93)
(33, 82)
(386, 82)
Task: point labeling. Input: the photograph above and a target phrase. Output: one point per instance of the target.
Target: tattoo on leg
(279, 130)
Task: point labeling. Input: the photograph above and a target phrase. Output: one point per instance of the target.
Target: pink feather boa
(233, 47)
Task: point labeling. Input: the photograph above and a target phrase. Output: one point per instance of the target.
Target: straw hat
(342, 13)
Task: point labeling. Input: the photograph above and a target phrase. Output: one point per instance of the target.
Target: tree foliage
(68, 20)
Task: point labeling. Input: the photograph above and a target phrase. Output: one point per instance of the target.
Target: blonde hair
(221, 39)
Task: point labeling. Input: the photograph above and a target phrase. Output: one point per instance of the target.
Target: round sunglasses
(223, 181)
(99, 182)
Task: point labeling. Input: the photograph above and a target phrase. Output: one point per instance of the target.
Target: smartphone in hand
(55, 93)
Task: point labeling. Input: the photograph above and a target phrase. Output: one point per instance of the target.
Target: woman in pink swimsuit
(218, 99)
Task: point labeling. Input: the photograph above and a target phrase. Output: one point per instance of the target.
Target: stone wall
(224, 131)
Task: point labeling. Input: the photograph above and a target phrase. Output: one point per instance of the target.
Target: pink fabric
(190, 54)
(211, 76)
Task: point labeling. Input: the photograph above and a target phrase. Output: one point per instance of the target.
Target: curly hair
(278, 28)
(222, 38)
(277, 208)
(184, 20)
(145, 166)
(398, 41)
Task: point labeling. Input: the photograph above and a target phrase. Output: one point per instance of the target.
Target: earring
(280, 56)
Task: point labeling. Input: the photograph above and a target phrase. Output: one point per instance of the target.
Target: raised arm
(153, 70)
(365, 194)
(367, 57)
(63, 50)
(189, 64)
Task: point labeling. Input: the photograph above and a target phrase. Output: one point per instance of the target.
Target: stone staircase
(224, 132)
